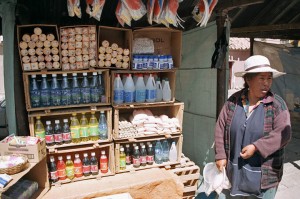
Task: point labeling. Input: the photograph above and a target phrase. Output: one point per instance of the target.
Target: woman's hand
(221, 164)
(248, 151)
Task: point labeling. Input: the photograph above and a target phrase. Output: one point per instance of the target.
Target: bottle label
(118, 95)
(84, 132)
(150, 94)
(95, 96)
(40, 134)
(58, 138)
(103, 166)
(143, 159)
(136, 161)
(128, 160)
(161, 66)
(61, 173)
(56, 97)
(67, 136)
(49, 139)
(122, 162)
(85, 93)
(78, 170)
(150, 158)
(140, 95)
(76, 97)
(155, 65)
(86, 169)
(70, 171)
(145, 65)
(94, 131)
(66, 96)
(45, 97)
(139, 65)
(75, 133)
(129, 96)
(94, 168)
(53, 175)
(35, 97)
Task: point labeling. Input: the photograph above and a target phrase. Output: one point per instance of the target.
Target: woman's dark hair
(248, 76)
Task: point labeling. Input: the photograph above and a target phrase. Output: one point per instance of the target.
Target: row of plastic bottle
(77, 132)
(62, 170)
(63, 93)
(141, 89)
(152, 62)
(140, 156)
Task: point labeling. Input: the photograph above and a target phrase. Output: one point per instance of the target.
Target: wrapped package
(143, 46)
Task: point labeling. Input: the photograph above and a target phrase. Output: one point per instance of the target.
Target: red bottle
(103, 163)
(61, 168)
(78, 167)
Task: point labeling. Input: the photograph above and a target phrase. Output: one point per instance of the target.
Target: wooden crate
(174, 110)
(121, 36)
(109, 151)
(27, 77)
(62, 114)
(166, 41)
(178, 139)
(29, 29)
(170, 74)
(88, 46)
(189, 174)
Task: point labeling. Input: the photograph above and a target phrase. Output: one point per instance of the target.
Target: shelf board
(50, 108)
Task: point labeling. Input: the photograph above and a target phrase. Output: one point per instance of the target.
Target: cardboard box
(35, 153)
(166, 41)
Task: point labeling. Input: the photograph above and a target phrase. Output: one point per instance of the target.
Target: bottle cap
(100, 72)
(94, 73)
(150, 145)
(60, 158)
(54, 75)
(122, 149)
(51, 159)
(56, 121)
(84, 74)
(85, 155)
(68, 157)
(76, 155)
(74, 74)
(143, 146)
(103, 152)
(38, 117)
(93, 154)
(44, 75)
(65, 75)
(33, 76)
(101, 111)
(66, 120)
(48, 122)
(166, 79)
(127, 145)
(74, 114)
(136, 147)
(157, 79)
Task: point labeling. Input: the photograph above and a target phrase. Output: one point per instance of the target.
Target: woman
(252, 129)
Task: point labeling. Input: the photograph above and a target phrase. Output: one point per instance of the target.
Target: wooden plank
(190, 188)
(186, 169)
(185, 178)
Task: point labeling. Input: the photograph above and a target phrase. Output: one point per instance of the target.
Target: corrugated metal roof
(236, 43)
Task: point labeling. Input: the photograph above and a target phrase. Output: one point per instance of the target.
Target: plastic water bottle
(173, 153)
(150, 89)
(76, 96)
(85, 90)
(159, 92)
(140, 89)
(45, 91)
(166, 63)
(134, 62)
(161, 62)
(103, 130)
(65, 91)
(158, 153)
(155, 63)
(118, 90)
(145, 62)
(150, 62)
(129, 90)
(101, 88)
(139, 63)
(166, 91)
(165, 148)
(55, 91)
(170, 62)
(95, 94)
(35, 93)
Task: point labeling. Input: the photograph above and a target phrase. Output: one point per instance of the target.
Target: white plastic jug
(150, 89)
(140, 89)
(173, 153)
(166, 91)
(118, 90)
(129, 90)
(159, 92)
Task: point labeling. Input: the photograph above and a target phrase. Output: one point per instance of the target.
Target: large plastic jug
(140, 89)
(159, 92)
(150, 89)
(166, 91)
(118, 90)
(129, 90)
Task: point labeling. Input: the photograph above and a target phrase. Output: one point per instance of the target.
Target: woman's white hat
(258, 64)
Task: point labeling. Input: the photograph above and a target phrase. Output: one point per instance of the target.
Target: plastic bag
(136, 8)
(97, 7)
(214, 180)
(74, 8)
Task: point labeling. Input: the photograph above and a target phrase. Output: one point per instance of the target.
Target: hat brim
(275, 73)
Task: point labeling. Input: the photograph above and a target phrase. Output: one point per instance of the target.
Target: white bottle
(170, 62)
(134, 62)
(140, 89)
(173, 153)
(118, 90)
(155, 63)
(150, 89)
(166, 91)
(150, 62)
(161, 63)
(139, 63)
(159, 92)
(129, 90)
(145, 62)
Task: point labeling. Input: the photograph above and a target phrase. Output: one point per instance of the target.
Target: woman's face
(260, 84)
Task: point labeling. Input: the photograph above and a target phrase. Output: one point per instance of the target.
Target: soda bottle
(103, 163)
(165, 151)
(158, 153)
(75, 91)
(101, 88)
(39, 129)
(93, 128)
(66, 92)
(75, 129)
(94, 164)
(66, 132)
(118, 90)
(69, 168)
(84, 128)
(129, 90)
(150, 155)
(61, 168)
(35, 93)
(78, 167)
(122, 159)
(128, 155)
(58, 137)
(143, 157)
(95, 94)
(49, 137)
(86, 165)
(173, 153)
(85, 90)
(45, 91)
(55, 91)
(53, 170)
(136, 157)
(102, 126)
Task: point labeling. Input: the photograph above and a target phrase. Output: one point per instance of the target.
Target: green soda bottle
(84, 128)
(70, 168)
(93, 128)
(39, 129)
(75, 129)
